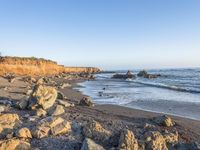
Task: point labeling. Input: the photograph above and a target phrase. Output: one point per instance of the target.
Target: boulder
(40, 112)
(94, 130)
(22, 104)
(42, 97)
(187, 146)
(44, 127)
(2, 108)
(6, 102)
(171, 137)
(128, 141)
(58, 110)
(64, 103)
(86, 101)
(155, 141)
(7, 123)
(8, 117)
(40, 132)
(11, 80)
(144, 74)
(14, 144)
(89, 144)
(60, 95)
(40, 81)
(64, 85)
(128, 75)
(61, 128)
(24, 133)
(164, 121)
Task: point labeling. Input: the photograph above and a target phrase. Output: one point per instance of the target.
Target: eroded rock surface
(42, 97)
(128, 141)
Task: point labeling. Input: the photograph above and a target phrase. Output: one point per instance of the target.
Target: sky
(110, 34)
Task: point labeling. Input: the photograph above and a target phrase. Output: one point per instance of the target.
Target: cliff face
(36, 67)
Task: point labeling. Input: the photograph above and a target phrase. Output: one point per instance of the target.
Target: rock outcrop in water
(145, 74)
(128, 75)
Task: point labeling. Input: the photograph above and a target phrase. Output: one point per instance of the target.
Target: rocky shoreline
(47, 113)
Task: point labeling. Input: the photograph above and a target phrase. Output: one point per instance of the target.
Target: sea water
(176, 92)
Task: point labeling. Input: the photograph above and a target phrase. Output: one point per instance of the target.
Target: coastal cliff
(38, 66)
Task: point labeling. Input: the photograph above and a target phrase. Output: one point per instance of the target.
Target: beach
(112, 118)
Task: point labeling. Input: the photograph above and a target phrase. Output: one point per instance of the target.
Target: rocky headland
(38, 67)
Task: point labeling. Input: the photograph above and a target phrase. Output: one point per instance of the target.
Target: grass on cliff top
(15, 58)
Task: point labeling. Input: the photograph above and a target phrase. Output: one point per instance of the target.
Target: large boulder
(128, 75)
(171, 137)
(14, 144)
(155, 141)
(7, 123)
(8, 120)
(40, 112)
(24, 133)
(94, 130)
(128, 141)
(58, 110)
(42, 97)
(89, 144)
(65, 103)
(51, 125)
(145, 74)
(86, 101)
(164, 121)
(61, 128)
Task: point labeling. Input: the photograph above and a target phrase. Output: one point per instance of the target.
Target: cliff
(38, 66)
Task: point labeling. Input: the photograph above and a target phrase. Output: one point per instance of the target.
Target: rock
(40, 81)
(11, 80)
(171, 138)
(29, 92)
(57, 111)
(128, 75)
(2, 108)
(60, 95)
(45, 125)
(144, 74)
(155, 141)
(64, 103)
(7, 123)
(94, 130)
(89, 144)
(29, 80)
(22, 104)
(165, 121)
(42, 97)
(24, 133)
(6, 102)
(40, 112)
(187, 146)
(14, 144)
(64, 85)
(61, 128)
(128, 141)
(40, 132)
(86, 101)
(8, 118)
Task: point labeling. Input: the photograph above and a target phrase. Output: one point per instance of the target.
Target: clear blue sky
(111, 34)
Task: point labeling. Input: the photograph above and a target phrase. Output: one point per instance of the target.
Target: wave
(165, 86)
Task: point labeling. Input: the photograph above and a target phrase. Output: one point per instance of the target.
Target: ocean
(176, 92)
